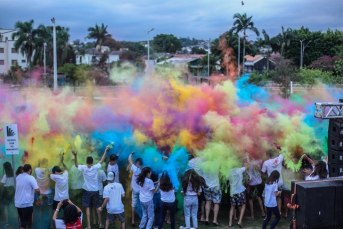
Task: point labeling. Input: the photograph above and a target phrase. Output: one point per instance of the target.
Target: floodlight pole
(55, 54)
(208, 57)
(44, 64)
(149, 44)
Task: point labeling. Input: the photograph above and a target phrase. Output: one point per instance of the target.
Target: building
(8, 54)
(92, 56)
(257, 63)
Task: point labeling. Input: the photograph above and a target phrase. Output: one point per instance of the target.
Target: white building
(8, 54)
(92, 56)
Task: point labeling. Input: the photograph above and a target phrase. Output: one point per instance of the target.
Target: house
(257, 63)
(8, 54)
(93, 55)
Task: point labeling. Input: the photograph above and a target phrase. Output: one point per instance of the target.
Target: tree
(243, 23)
(166, 43)
(99, 33)
(283, 39)
(283, 75)
(25, 36)
(325, 63)
(267, 43)
(69, 70)
(197, 50)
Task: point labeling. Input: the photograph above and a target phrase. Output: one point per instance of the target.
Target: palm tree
(284, 39)
(44, 35)
(243, 23)
(99, 33)
(25, 35)
(266, 42)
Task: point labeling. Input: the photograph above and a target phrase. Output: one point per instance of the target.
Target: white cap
(110, 176)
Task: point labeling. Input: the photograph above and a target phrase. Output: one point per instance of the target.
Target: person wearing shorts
(26, 186)
(213, 194)
(136, 170)
(237, 193)
(90, 186)
(256, 186)
(113, 194)
(43, 180)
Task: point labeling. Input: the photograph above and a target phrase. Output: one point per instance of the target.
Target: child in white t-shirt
(270, 194)
(146, 193)
(167, 200)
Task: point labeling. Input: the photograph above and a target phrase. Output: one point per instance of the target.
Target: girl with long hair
(72, 215)
(168, 200)
(192, 184)
(146, 194)
(8, 193)
(319, 172)
(270, 194)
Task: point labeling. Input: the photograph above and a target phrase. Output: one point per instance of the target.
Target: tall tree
(166, 43)
(25, 35)
(283, 39)
(266, 42)
(242, 24)
(99, 33)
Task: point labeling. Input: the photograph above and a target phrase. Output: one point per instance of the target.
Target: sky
(202, 19)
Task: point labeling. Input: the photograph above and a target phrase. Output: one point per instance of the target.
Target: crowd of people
(93, 190)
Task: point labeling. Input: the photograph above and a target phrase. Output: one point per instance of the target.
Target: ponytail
(141, 178)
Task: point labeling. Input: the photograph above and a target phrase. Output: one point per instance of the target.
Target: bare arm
(156, 189)
(123, 195)
(277, 193)
(103, 204)
(75, 157)
(309, 160)
(130, 158)
(77, 208)
(104, 155)
(64, 165)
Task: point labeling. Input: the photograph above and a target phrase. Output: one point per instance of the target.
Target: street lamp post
(55, 54)
(302, 52)
(149, 44)
(239, 56)
(208, 57)
(44, 64)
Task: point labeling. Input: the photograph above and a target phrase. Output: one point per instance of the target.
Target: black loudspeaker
(335, 170)
(320, 204)
(335, 143)
(316, 202)
(335, 157)
(336, 127)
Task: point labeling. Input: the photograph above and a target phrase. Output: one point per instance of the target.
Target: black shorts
(256, 191)
(25, 216)
(54, 205)
(90, 199)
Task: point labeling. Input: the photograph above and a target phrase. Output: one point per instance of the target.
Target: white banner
(11, 139)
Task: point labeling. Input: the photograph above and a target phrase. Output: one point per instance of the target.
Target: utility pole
(301, 53)
(55, 54)
(149, 44)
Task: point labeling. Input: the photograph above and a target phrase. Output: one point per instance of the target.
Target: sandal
(215, 224)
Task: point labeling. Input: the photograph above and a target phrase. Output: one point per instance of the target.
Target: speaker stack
(335, 147)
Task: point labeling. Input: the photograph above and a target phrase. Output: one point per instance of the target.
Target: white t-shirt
(114, 192)
(101, 178)
(61, 186)
(316, 177)
(43, 180)
(90, 176)
(7, 181)
(145, 192)
(168, 197)
(190, 191)
(274, 164)
(76, 178)
(25, 190)
(136, 171)
(211, 179)
(254, 174)
(269, 195)
(115, 170)
(236, 180)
